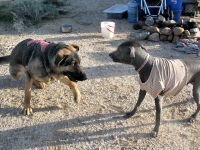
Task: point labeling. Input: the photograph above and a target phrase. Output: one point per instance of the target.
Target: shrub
(33, 11)
(5, 14)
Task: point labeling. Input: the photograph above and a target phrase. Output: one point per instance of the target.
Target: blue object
(133, 11)
(177, 14)
(175, 4)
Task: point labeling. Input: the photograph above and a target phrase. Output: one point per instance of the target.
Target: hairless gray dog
(159, 77)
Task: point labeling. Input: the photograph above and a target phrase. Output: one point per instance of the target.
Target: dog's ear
(75, 46)
(132, 52)
(60, 61)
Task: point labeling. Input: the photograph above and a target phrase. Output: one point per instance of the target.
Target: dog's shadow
(6, 82)
(67, 131)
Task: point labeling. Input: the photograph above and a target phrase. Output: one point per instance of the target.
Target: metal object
(66, 28)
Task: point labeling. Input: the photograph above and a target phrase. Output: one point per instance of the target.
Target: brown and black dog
(158, 77)
(43, 62)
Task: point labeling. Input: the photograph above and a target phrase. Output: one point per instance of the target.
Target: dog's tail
(4, 60)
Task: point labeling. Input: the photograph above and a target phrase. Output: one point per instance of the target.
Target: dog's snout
(83, 76)
(110, 54)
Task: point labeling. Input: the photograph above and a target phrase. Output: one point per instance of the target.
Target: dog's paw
(154, 134)
(40, 85)
(27, 111)
(77, 98)
(128, 115)
(191, 120)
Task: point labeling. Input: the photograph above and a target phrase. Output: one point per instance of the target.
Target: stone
(170, 37)
(194, 30)
(175, 39)
(144, 27)
(154, 37)
(186, 33)
(161, 18)
(139, 36)
(163, 38)
(166, 31)
(149, 21)
(138, 25)
(153, 29)
(169, 23)
(178, 30)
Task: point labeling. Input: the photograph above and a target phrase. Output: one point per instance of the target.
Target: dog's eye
(73, 63)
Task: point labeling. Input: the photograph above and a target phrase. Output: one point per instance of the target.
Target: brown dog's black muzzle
(75, 77)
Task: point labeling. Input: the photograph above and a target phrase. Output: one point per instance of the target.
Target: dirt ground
(110, 91)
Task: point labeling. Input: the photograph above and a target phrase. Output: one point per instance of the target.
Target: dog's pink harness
(42, 43)
(167, 76)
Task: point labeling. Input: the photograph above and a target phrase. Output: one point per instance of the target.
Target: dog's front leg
(141, 97)
(196, 95)
(28, 85)
(73, 87)
(158, 103)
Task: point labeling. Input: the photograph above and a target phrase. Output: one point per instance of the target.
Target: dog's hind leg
(27, 99)
(141, 97)
(196, 95)
(73, 87)
(158, 103)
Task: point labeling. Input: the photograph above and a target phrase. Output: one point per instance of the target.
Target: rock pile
(161, 30)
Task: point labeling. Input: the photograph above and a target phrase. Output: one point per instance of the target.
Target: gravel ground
(110, 91)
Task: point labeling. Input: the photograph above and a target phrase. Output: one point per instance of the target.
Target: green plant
(33, 11)
(5, 14)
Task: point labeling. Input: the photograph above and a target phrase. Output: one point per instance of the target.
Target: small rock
(194, 30)
(161, 18)
(175, 39)
(163, 38)
(138, 25)
(186, 32)
(149, 21)
(178, 30)
(144, 27)
(154, 37)
(153, 29)
(166, 31)
(170, 37)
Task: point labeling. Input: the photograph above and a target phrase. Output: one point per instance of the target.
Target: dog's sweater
(167, 76)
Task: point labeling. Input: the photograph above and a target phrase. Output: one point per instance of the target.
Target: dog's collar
(144, 63)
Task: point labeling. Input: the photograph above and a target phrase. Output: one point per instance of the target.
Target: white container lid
(118, 8)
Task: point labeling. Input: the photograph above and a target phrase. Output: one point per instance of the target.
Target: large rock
(178, 30)
(169, 23)
(153, 29)
(166, 31)
(149, 21)
(154, 37)
(139, 36)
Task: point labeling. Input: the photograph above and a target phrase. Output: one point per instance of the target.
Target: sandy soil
(110, 91)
